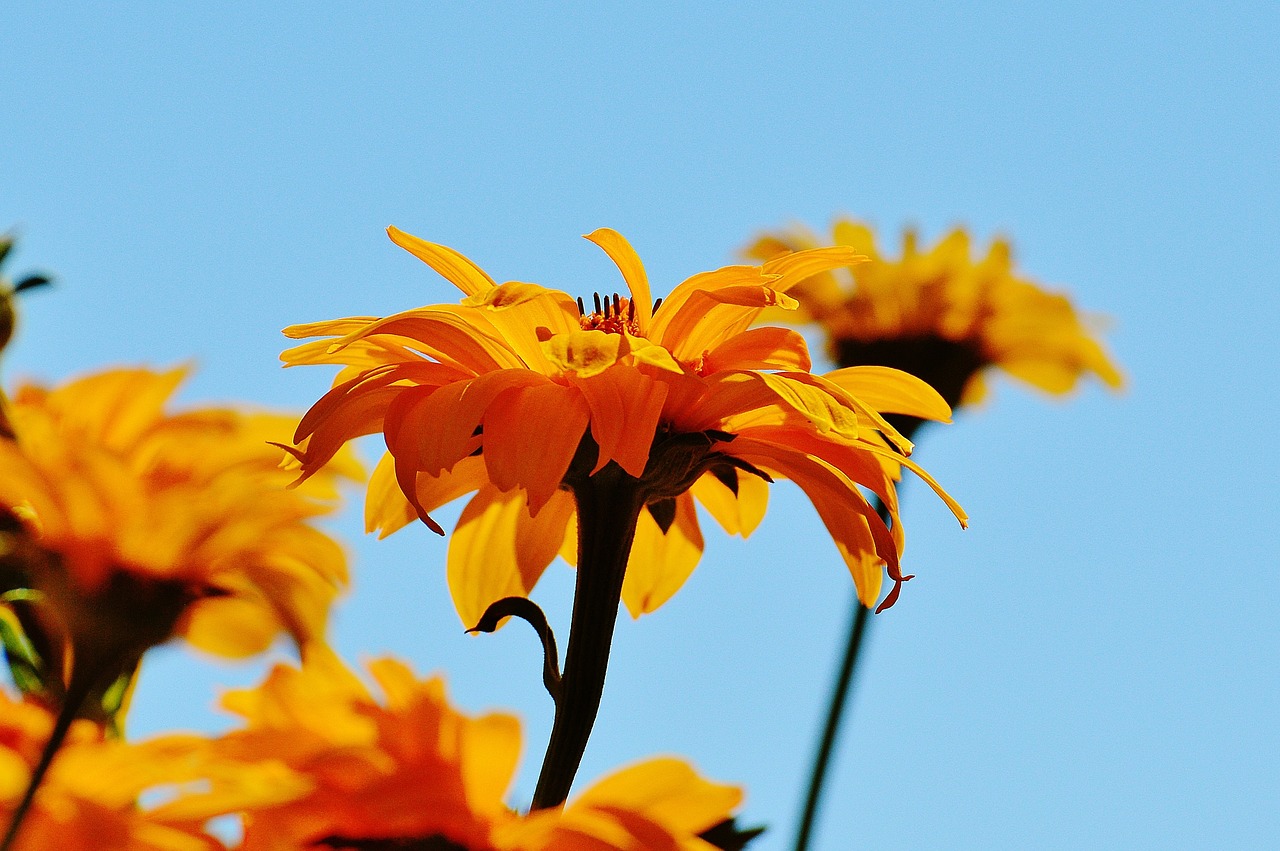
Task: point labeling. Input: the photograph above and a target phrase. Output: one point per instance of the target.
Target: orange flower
(89, 801)
(410, 770)
(943, 315)
(128, 525)
(533, 401)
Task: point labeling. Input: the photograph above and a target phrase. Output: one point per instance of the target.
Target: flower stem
(77, 691)
(835, 713)
(609, 504)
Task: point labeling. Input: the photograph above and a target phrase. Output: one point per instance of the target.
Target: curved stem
(77, 691)
(609, 504)
(835, 713)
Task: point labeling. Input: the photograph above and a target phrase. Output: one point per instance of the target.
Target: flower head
(127, 525)
(406, 769)
(526, 396)
(943, 315)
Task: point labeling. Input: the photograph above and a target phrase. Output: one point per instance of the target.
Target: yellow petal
(661, 563)
(452, 266)
(628, 263)
(498, 550)
(737, 515)
(665, 790)
(386, 509)
(892, 391)
(583, 353)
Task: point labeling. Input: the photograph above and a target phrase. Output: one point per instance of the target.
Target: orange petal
(452, 266)
(738, 514)
(386, 509)
(661, 563)
(530, 436)
(626, 406)
(521, 311)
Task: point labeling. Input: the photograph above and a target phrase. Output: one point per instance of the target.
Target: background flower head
(131, 524)
(943, 314)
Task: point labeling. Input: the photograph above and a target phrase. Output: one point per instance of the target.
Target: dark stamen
(599, 309)
(617, 306)
(656, 305)
(582, 308)
(631, 310)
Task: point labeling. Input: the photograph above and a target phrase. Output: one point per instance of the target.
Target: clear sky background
(1092, 664)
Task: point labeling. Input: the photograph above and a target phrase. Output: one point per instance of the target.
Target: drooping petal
(861, 537)
(452, 266)
(498, 550)
(661, 563)
(628, 263)
(530, 436)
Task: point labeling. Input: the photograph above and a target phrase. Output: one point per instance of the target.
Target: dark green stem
(609, 504)
(77, 691)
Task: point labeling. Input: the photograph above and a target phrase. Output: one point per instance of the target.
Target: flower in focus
(409, 770)
(531, 400)
(944, 316)
(122, 525)
(89, 801)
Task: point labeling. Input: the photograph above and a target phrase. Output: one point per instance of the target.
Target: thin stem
(609, 504)
(77, 691)
(835, 713)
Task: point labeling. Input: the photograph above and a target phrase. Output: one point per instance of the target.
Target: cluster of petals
(111, 506)
(496, 396)
(89, 799)
(944, 293)
(323, 762)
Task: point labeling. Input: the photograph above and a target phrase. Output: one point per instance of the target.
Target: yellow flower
(129, 525)
(410, 768)
(89, 800)
(943, 315)
(534, 401)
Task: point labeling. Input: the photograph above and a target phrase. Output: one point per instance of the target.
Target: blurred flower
(942, 315)
(410, 771)
(529, 399)
(89, 801)
(122, 525)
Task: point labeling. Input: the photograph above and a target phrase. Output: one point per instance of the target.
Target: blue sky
(1092, 664)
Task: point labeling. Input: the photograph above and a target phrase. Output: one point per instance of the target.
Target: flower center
(612, 316)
